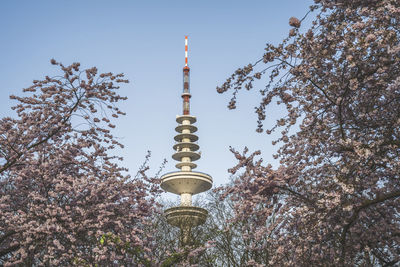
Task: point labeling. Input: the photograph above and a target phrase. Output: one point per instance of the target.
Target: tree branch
(353, 218)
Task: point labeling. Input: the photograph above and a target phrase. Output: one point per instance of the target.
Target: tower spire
(186, 51)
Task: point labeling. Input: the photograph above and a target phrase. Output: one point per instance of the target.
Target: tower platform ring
(192, 155)
(189, 127)
(186, 182)
(192, 137)
(190, 164)
(181, 118)
(186, 94)
(191, 146)
(186, 216)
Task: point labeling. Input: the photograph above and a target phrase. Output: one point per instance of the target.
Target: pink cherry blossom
(65, 200)
(334, 199)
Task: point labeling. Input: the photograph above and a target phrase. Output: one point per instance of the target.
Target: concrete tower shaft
(186, 182)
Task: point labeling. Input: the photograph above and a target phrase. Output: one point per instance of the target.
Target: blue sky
(145, 40)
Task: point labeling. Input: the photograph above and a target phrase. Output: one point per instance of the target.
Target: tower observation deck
(186, 182)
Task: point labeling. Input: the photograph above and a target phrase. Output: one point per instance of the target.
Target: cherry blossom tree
(64, 198)
(336, 193)
(234, 242)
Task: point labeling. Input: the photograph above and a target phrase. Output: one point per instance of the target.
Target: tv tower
(186, 182)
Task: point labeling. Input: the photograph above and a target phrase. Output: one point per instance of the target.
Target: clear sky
(145, 40)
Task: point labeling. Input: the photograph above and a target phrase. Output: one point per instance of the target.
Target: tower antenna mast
(186, 82)
(186, 51)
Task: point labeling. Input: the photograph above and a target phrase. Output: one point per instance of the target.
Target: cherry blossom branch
(354, 217)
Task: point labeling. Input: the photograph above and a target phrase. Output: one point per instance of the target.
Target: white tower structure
(186, 182)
